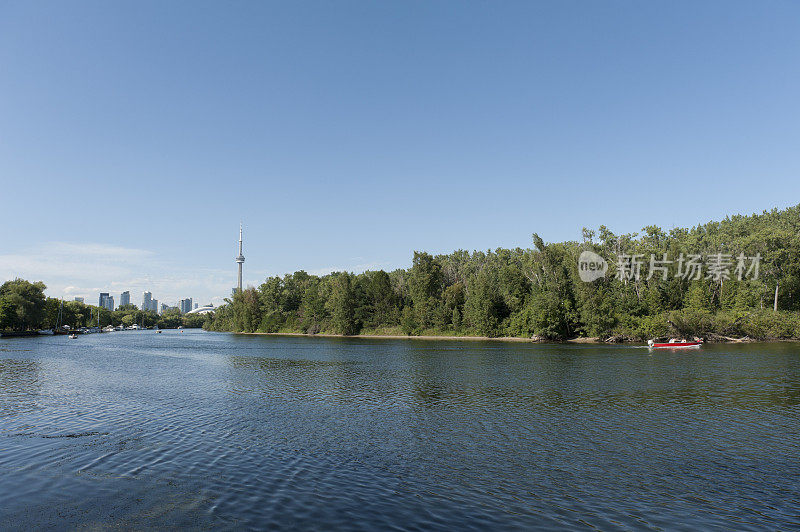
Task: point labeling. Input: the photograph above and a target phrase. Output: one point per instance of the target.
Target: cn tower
(240, 259)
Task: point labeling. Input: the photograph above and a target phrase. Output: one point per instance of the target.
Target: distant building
(195, 305)
(79, 299)
(106, 301)
(147, 299)
(125, 298)
(203, 310)
(185, 305)
(148, 303)
(165, 307)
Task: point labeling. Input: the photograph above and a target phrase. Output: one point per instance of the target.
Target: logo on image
(591, 266)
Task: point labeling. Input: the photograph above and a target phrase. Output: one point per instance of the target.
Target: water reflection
(220, 431)
(505, 377)
(19, 386)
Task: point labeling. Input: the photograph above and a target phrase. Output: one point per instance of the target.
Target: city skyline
(107, 300)
(148, 303)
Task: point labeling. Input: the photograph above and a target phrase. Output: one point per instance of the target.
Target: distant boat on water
(673, 345)
(64, 329)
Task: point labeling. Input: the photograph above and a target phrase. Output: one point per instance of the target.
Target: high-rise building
(79, 299)
(125, 298)
(185, 305)
(195, 305)
(240, 260)
(106, 301)
(154, 305)
(147, 301)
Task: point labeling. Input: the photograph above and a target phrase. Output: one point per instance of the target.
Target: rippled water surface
(204, 430)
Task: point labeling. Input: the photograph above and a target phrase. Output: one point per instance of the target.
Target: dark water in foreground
(201, 430)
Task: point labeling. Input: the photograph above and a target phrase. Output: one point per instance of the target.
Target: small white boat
(73, 336)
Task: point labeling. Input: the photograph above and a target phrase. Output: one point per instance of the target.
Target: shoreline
(399, 337)
(512, 339)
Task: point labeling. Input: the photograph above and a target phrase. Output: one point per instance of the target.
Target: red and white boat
(673, 345)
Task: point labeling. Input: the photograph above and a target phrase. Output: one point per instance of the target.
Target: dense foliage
(538, 292)
(23, 307)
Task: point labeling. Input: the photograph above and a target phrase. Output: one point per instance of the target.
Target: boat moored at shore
(674, 344)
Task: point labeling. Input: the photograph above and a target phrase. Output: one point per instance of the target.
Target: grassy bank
(724, 326)
(721, 326)
(398, 336)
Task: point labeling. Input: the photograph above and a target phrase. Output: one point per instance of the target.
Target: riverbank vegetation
(24, 307)
(538, 292)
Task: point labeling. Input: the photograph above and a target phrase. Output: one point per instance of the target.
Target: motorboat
(673, 345)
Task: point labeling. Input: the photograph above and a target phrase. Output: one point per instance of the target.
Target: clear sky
(135, 136)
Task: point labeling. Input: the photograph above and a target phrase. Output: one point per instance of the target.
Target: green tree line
(537, 291)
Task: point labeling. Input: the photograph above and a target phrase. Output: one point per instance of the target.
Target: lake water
(195, 429)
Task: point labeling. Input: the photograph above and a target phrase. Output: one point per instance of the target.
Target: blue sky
(134, 136)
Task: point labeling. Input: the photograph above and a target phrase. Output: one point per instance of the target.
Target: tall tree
(23, 304)
(342, 305)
